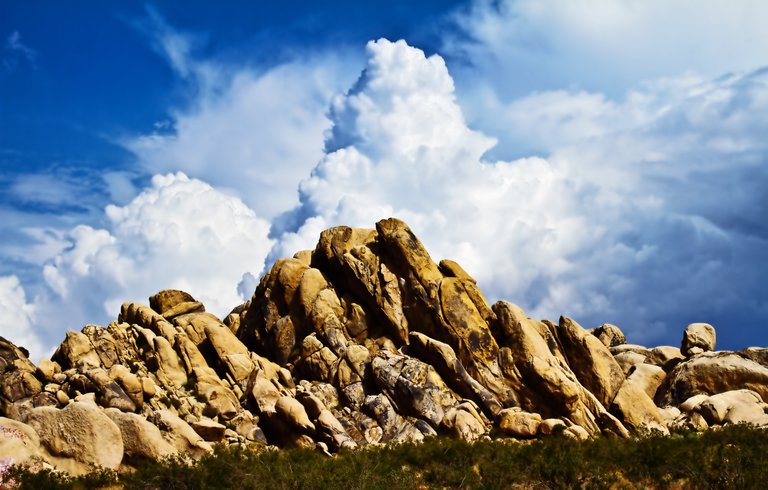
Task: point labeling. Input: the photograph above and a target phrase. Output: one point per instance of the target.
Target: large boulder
(733, 407)
(80, 431)
(179, 434)
(141, 439)
(19, 445)
(591, 361)
(698, 338)
(517, 423)
(710, 373)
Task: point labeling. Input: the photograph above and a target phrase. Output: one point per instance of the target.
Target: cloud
(256, 130)
(510, 48)
(632, 217)
(16, 52)
(17, 316)
(177, 233)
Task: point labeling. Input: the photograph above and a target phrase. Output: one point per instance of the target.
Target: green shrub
(732, 457)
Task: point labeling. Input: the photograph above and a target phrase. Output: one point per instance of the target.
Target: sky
(605, 160)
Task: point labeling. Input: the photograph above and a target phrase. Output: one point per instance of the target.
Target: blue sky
(603, 159)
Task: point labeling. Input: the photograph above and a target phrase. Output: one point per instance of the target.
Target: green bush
(732, 457)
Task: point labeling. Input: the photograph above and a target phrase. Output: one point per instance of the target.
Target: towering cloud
(179, 233)
(619, 223)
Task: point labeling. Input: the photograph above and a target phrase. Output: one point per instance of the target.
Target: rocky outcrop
(363, 340)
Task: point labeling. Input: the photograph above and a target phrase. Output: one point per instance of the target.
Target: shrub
(732, 457)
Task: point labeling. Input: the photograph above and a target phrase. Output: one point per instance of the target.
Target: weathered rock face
(363, 340)
(80, 431)
(698, 338)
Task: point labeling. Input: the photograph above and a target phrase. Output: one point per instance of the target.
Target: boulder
(413, 386)
(710, 373)
(737, 406)
(546, 382)
(647, 377)
(76, 350)
(19, 445)
(636, 409)
(168, 299)
(141, 439)
(698, 338)
(80, 431)
(591, 361)
(547, 427)
(294, 415)
(609, 335)
(209, 430)
(517, 423)
(179, 434)
(110, 393)
(444, 359)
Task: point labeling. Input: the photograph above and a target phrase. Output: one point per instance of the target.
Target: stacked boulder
(364, 340)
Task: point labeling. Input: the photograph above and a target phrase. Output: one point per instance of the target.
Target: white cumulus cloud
(626, 219)
(255, 130)
(178, 233)
(17, 316)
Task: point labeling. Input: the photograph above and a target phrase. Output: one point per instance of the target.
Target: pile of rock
(364, 340)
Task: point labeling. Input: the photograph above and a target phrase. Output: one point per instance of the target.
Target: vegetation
(733, 457)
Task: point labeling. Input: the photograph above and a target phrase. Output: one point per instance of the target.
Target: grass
(733, 457)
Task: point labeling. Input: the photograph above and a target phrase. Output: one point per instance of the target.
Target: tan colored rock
(179, 434)
(104, 344)
(551, 426)
(76, 350)
(628, 360)
(636, 409)
(547, 383)
(576, 432)
(110, 393)
(62, 397)
(591, 361)
(19, 445)
(171, 371)
(148, 318)
(647, 377)
(665, 356)
(305, 256)
(353, 254)
(464, 424)
(610, 335)
(184, 308)
(692, 403)
(18, 384)
(710, 373)
(219, 399)
(168, 299)
(737, 406)
(189, 353)
(517, 423)
(209, 430)
(129, 382)
(232, 353)
(329, 427)
(47, 369)
(148, 387)
(293, 413)
(141, 439)
(80, 431)
(444, 359)
(698, 338)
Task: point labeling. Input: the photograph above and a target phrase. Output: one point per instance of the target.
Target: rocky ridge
(364, 340)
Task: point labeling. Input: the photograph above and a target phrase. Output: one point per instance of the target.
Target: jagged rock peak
(363, 340)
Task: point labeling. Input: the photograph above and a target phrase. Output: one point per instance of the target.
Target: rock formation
(364, 340)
